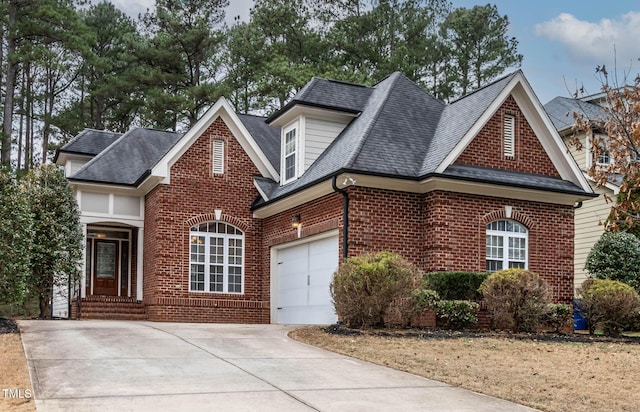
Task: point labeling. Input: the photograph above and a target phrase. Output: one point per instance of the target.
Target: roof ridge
(106, 149)
(512, 74)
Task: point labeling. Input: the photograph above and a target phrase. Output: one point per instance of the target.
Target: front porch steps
(112, 307)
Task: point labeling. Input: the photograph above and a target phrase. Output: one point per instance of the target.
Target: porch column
(83, 275)
(139, 266)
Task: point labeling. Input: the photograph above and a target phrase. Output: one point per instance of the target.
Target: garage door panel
(304, 274)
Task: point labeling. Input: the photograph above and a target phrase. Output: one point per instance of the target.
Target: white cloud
(594, 42)
(135, 7)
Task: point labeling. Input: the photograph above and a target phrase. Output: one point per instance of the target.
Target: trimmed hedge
(457, 314)
(455, 285)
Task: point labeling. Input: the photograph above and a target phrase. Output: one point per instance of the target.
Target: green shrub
(457, 314)
(369, 290)
(557, 315)
(516, 299)
(608, 304)
(455, 285)
(616, 256)
(425, 299)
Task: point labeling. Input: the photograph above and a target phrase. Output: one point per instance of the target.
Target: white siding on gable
(318, 136)
(75, 165)
(579, 155)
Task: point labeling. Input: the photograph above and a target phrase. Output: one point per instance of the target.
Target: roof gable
(221, 109)
(516, 85)
(487, 148)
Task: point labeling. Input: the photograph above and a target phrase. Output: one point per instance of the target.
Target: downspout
(345, 217)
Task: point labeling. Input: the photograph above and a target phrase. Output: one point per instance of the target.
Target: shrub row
(375, 290)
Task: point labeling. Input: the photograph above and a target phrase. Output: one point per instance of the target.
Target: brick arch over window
(515, 215)
(211, 217)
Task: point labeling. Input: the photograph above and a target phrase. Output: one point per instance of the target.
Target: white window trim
(509, 135)
(296, 153)
(207, 256)
(217, 156)
(505, 243)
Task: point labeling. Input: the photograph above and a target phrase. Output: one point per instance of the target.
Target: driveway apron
(139, 366)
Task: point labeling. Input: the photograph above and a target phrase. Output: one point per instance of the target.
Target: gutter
(345, 217)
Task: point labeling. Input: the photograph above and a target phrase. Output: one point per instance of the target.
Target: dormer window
(290, 155)
(604, 158)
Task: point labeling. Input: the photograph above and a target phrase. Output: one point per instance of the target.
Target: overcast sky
(562, 40)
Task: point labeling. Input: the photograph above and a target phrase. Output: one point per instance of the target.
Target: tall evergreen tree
(15, 239)
(182, 56)
(479, 45)
(57, 236)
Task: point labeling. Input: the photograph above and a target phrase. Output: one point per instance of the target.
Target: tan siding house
(591, 215)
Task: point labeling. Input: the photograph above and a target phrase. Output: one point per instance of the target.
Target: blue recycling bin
(579, 321)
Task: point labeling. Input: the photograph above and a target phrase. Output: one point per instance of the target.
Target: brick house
(245, 219)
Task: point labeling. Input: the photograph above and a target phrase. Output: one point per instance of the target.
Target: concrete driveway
(137, 366)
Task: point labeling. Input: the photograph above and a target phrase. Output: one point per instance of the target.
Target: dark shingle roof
(89, 142)
(330, 94)
(128, 160)
(267, 137)
(401, 132)
(561, 109)
(511, 178)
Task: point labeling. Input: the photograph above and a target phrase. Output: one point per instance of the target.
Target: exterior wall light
(296, 223)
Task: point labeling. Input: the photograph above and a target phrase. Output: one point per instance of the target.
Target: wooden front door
(105, 274)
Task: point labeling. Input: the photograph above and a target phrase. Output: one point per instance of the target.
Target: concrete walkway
(138, 366)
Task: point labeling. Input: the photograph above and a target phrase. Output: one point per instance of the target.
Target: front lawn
(555, 375)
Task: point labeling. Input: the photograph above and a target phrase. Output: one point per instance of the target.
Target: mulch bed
(8, 326)
(434, 333)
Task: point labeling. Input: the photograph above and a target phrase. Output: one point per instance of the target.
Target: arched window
(506, 245)
(216, 262)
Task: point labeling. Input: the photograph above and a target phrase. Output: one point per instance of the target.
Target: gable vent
(218, 157)
(509, 135)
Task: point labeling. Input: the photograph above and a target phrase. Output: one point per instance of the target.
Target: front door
(105, 274)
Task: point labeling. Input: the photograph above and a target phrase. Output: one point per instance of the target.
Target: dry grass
(14, 374)
(549, 376)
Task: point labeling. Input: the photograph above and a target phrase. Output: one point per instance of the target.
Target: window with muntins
(290, 154)
(509, 135)
(506, 245)
(216, 258)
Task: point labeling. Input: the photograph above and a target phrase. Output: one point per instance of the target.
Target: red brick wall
(456, 227)
(438, 231)
(487, 150)
(192, 197)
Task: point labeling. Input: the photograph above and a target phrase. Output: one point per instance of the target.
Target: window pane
(290, 142)
(290, 167)
(216, 278)
(197, 277)
(494, 265)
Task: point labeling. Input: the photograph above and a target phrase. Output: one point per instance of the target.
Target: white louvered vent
(509, 135)
(218, 157)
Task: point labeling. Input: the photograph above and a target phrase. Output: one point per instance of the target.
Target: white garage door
(304, 274)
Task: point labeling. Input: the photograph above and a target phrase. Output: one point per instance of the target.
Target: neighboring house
(245, 219)
(591, 217)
